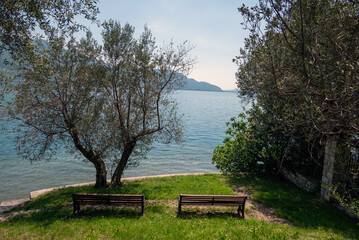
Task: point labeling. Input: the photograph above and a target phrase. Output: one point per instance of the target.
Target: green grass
(152, 188)
(311, 217)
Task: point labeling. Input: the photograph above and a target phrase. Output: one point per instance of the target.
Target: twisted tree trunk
(101, 173)
(116, 177)
(91, 155)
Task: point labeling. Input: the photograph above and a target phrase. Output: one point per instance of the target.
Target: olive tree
(104, 103)
(59, 103)
(22, 21)
(140, 79)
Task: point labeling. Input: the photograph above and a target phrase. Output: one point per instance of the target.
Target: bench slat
(216, 196)
(222, 200)
(107, 203)
(210, 202)
(107, 199)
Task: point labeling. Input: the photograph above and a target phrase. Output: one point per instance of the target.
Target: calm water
(205, 115)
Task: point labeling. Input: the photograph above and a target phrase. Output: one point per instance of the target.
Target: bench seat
(219, 200)
(108, 200)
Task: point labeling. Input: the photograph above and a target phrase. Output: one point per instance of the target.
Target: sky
(213, 27)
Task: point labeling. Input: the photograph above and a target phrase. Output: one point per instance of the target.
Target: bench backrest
(107, 199)
(212, 199)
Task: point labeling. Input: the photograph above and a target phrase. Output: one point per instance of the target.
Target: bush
(346, 196)
(248, 148)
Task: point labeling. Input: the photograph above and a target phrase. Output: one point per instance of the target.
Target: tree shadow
(62, 197)
(109, 212)
(188, 214)
(46, 217)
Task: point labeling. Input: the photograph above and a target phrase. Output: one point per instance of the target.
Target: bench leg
(76, 208)
(142, 207)
(241, 210)
(179, 204)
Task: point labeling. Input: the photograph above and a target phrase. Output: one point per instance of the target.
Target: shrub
(249, 147)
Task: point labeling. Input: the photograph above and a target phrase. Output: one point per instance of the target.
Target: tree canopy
(21, 21)
(300, 65)
(303, 64)
(59, 103)
(140, 79)
(106, 103)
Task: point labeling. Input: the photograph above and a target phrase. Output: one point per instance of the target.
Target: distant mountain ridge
(191, 84)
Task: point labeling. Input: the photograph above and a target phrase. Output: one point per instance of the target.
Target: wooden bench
(222, 200)
(107, 199)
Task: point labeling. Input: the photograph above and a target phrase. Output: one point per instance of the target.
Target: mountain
(191, 84)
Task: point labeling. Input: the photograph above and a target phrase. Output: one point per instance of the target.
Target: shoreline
(7, 205)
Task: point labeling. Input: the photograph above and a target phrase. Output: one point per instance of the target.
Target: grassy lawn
(312, 218)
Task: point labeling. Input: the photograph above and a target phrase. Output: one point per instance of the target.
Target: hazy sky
(212, 26)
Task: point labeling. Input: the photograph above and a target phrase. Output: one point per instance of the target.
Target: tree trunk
(116, 178)
(101, 173)
(91, 155)
(328, 167)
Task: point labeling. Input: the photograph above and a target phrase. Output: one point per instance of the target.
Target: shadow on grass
(42, 218)
(47, 217)
(303, 209)
(109, 212)
(208, 214)
(63, 197)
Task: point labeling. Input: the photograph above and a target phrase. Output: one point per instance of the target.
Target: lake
(205, 115)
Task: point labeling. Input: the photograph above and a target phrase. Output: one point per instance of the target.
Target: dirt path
(8, 205)
(255, 210)
(260, 212)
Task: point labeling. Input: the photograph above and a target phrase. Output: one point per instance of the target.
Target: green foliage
(139, 81)
(23, 20)
(58, 94)
(248, 149)
(106, 104)
(303, 209)
(312, 218)
(58, 103)
(346, 196)
(345, 187)
(258, 142)
(301, 66)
